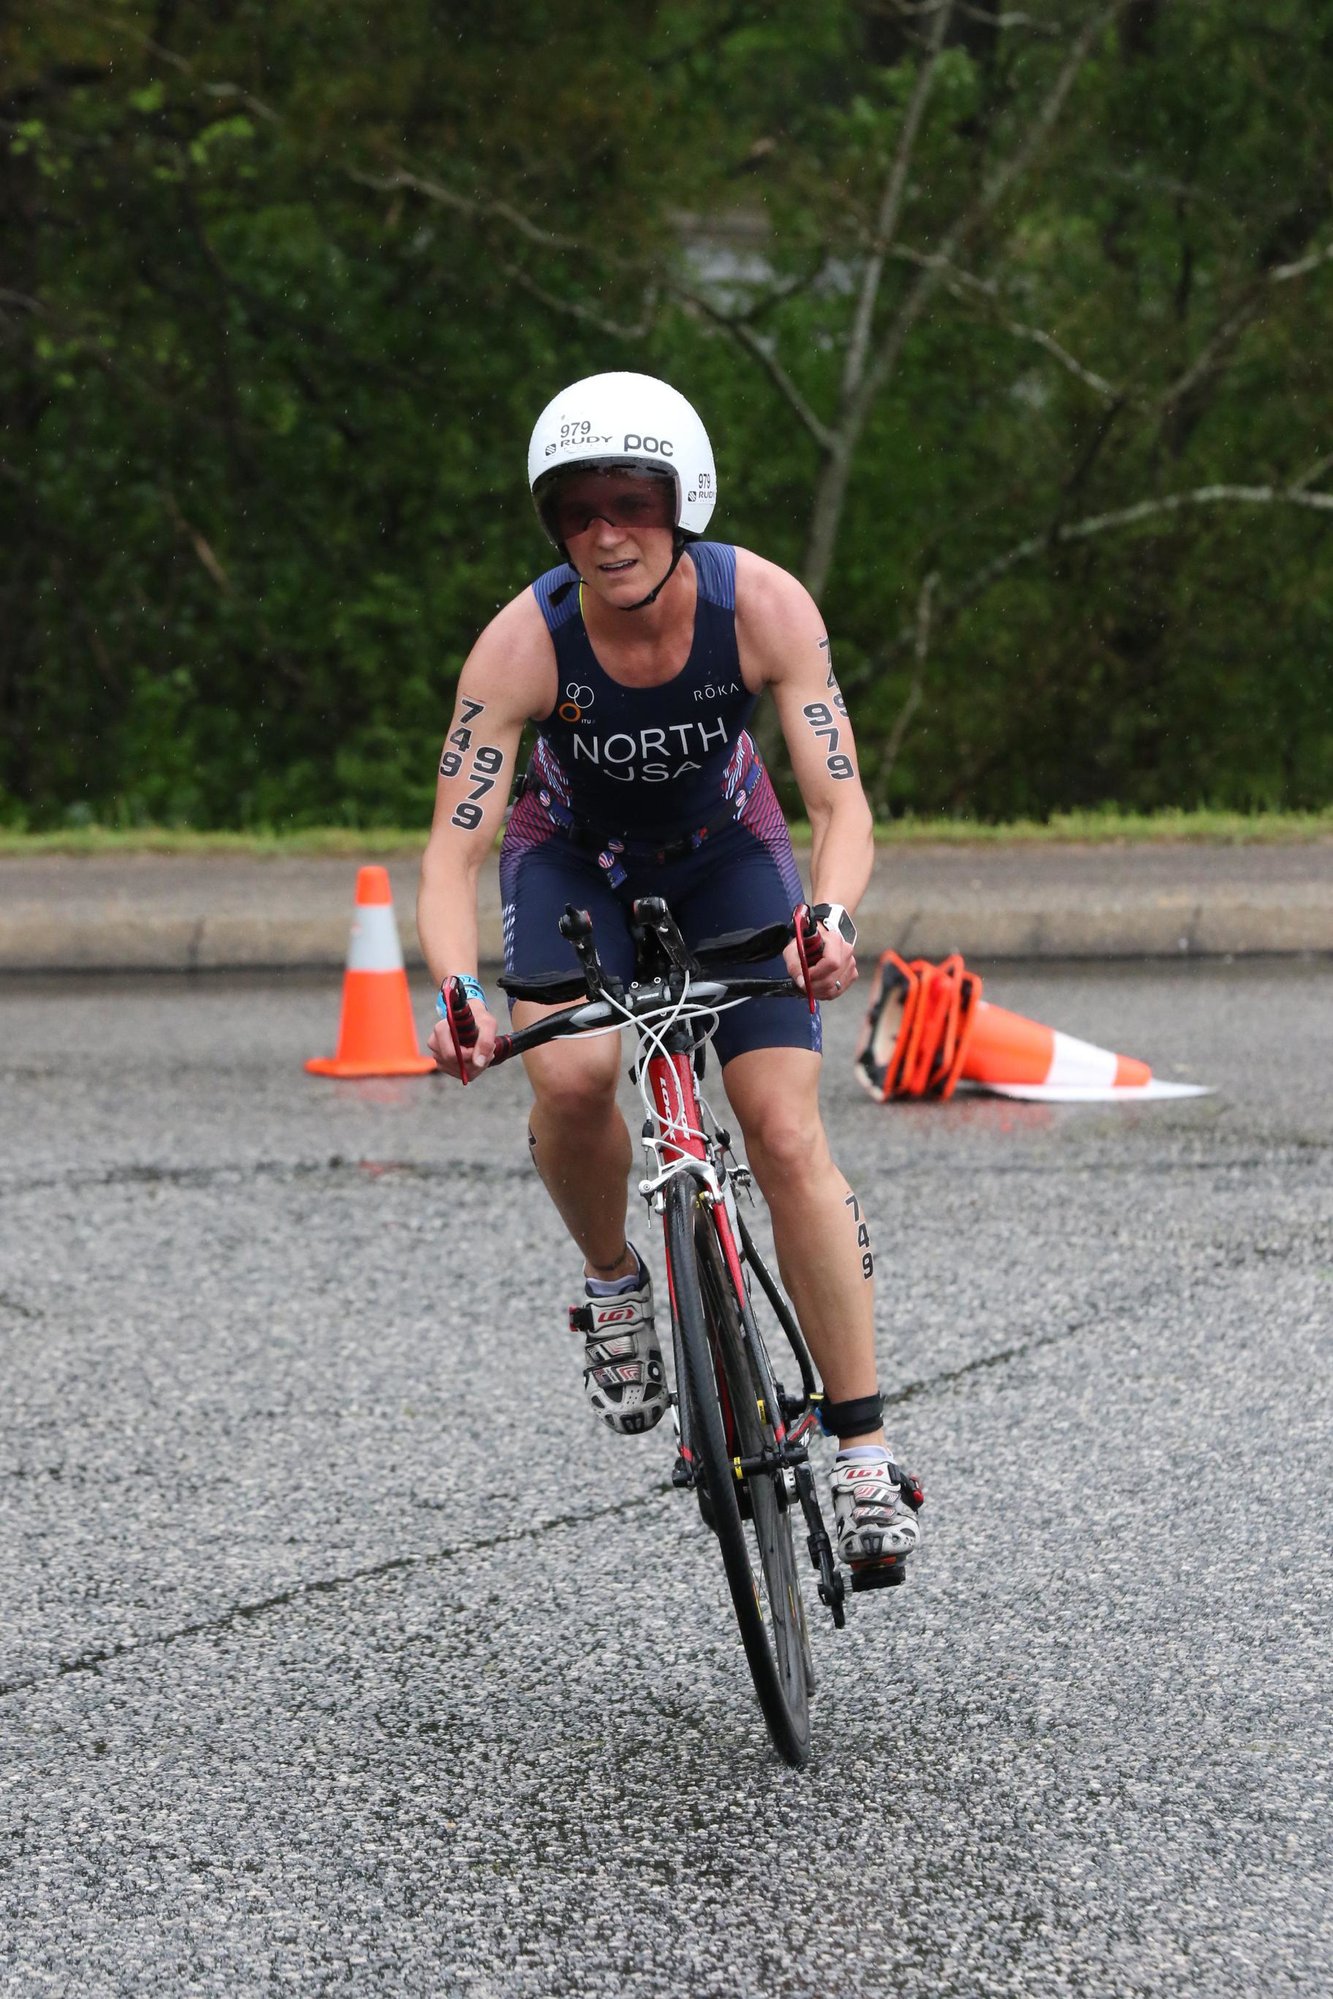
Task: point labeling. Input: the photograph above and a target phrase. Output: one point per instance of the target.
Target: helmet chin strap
(679, 544)
(678, 549)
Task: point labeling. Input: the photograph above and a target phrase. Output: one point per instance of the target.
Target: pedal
(880, 1575)
(681, 1475)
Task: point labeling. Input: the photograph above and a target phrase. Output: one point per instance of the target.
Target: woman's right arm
(507, 680)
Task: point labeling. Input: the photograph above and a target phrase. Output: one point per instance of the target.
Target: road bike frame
(741, 1435)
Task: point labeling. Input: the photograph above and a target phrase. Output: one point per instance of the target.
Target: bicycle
(741, 1437)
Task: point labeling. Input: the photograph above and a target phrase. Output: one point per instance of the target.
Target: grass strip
(1100, 828)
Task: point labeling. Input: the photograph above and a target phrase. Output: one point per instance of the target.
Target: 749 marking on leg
(862, 1236)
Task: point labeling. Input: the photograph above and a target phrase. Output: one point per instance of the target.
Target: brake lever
(462, 1025)
(652, 915)
(809, 945)
(576, 928)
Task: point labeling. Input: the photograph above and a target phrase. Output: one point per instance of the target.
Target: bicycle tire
(714, 1366)
(752, 1393)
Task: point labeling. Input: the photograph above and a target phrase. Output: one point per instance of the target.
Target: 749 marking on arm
(452, 760)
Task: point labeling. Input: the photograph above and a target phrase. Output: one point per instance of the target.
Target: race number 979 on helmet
(624, 423)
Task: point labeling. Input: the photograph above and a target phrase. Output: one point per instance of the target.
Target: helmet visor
(625, 496)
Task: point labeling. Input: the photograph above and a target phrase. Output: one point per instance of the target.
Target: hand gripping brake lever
(809, 944)
(462, 1025)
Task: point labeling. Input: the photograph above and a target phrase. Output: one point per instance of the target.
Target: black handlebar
(666, 965)
(642, 1003)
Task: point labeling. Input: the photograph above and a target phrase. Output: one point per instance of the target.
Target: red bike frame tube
(676, 1100)
(671, 1080)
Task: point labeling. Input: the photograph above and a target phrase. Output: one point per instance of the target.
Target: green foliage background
(284, 287)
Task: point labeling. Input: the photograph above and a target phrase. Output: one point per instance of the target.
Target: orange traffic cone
(1006, 1049)
(376, 1035)
(928, 1029)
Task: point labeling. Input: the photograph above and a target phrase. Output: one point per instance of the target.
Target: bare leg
(816, 1218)
(580, 1143)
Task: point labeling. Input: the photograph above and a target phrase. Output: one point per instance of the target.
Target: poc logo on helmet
(661, 445)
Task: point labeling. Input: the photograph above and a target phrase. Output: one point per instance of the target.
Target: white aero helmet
(626, 423)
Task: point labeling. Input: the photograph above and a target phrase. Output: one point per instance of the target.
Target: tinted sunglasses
(651, 504)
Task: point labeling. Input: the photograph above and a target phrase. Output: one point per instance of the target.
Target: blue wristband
(472, 987)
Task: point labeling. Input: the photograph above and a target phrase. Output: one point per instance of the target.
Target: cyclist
(639, 659)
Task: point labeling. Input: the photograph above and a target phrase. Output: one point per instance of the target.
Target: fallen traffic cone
(1006, 1051)
(928, 1029)
(917, 1026)
(376, 1034)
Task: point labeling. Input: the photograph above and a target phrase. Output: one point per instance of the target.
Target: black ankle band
(850, 1418)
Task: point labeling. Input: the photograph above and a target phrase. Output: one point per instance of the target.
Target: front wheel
(718, 1378)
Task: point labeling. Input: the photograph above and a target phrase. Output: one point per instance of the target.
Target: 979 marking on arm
(824, 724)
(486, 767)
(862, 1237)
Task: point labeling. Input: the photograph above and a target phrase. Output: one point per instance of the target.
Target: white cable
(655, 1035)
(652, 1029)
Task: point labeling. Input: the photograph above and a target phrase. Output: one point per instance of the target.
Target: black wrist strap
(850, 1418)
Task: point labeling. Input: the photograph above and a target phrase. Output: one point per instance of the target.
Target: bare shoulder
(512, 665)
(775, 614)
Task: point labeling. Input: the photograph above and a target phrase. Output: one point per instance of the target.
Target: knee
(785, 1147)
(577, 1098)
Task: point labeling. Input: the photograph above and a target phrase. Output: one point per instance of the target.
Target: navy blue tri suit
(661, 790)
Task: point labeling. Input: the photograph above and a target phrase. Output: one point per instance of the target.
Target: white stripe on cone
(374, 945)
(1079, 1064)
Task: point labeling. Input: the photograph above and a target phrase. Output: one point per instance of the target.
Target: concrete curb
(167, 913)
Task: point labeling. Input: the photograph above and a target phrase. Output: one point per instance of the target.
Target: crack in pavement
(948, 1378)
(1225, 1264)
(954, 1376)
(93, 1662)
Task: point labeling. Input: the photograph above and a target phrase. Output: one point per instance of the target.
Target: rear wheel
(756, 1542)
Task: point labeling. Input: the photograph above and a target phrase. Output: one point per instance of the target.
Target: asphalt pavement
(345, 1654)
(159, 912)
